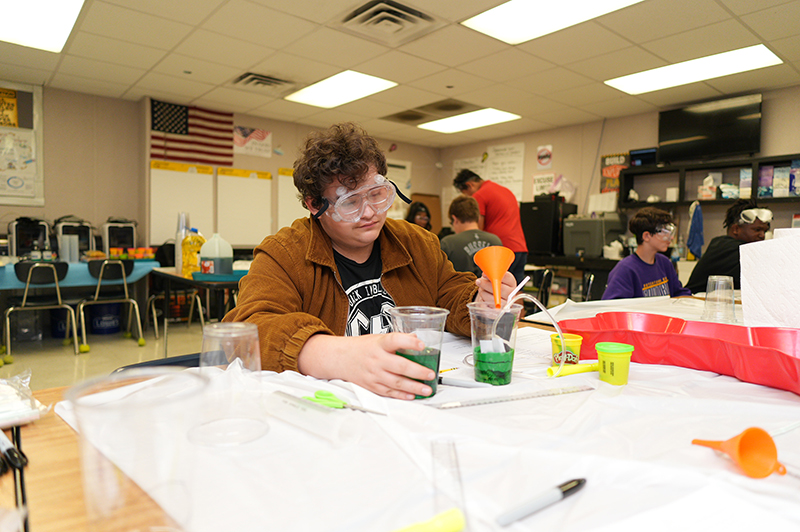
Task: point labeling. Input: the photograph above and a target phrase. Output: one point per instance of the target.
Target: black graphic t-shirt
(366, 296)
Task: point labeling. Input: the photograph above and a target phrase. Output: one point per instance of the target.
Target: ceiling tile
(13, 54)
(511, 100)
(580, 96)
(567, 117)
(506, 65)
(335, 47)
(523, 125)
(399, 67)
(551, 81)
(210, 46)
(742, 7)
(451, 82)
(328, 117)
(257, 24)
(292, 68)
(113, 51)
(371, 108)
(172, 10)
(313, 10)
(575, 43)
(708, 40)
(619, 63)
(137, 93)
(655, 19)
(775, 22)
(87, 86)
(91, 69)
(198, 70)
(288, 109)
(623, 106)
(174, 85)
(770, 77)
(453, 45)
(132, 26)
(244, 101)
(406, 97)
(460, 10)
(788, 48)
(21, 74)
(376, 126)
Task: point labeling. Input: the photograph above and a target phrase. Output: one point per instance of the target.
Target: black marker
(544, 500)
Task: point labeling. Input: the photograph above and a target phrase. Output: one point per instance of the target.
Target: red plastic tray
(760, 355)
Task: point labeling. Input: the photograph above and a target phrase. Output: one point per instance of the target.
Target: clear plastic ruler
(518, 397)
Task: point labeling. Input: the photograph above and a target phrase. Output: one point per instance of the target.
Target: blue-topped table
(77, 276)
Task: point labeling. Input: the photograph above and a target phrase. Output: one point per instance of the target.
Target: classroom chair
(111, 270)
(41, 273)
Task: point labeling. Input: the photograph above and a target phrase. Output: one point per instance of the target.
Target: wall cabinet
(654, 180)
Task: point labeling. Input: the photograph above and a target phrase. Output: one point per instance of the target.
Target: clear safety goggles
(749, 216)
(665, 232)
(350, 206)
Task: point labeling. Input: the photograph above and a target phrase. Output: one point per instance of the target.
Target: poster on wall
(475, 164)
(610, 167)
(542, 183)
(21, 173)
(504, 166)
(252, 141)
(544, 157)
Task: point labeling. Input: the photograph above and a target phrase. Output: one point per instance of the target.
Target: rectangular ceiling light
(518, 21)
(342, 88)
(42, 24)
(713, 66)
(472, 120)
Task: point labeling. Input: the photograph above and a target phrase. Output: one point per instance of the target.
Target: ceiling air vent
(264, 84)
(388, 22)
(432, 111)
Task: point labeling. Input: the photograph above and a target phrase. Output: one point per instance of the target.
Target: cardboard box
(705, 192)
(765, 181)
(780, 182)
(745, 183)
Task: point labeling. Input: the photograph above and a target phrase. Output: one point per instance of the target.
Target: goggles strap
(402, 196)
(321, 211)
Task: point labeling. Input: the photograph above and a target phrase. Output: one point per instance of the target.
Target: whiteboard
(244, 206)
(175, 188)
(289, 207)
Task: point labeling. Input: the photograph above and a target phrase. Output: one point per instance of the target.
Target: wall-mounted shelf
(655, 179)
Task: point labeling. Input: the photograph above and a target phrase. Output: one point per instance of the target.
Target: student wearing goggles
(744, 222)
(319, 290)
(647, 272)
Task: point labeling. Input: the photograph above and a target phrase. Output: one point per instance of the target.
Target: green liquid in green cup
(429, 358)
(494, 368)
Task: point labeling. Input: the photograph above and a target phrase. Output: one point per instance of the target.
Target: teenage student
(647, 272)
(319, 290)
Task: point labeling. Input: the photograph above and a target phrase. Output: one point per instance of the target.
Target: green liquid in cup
(429, 358)
(494, 368)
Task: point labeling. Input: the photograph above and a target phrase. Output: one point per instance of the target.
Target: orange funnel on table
(753, 451)
(494, 262)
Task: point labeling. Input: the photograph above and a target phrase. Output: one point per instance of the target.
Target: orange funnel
(494, 262)
(753, 451)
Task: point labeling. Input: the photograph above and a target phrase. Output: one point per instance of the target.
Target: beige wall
(95, 156)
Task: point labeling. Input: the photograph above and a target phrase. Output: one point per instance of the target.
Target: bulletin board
(21, 145)
(289, 207)
(175, 188)
(244, 206)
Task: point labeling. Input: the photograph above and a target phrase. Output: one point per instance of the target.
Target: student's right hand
(369, 361)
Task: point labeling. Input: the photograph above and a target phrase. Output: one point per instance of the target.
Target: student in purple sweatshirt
(647, 272)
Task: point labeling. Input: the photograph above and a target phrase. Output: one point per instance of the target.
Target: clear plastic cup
(494, 337)
(427, 323)
(720, 305)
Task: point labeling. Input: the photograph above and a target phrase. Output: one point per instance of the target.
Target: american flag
(242, 135)
(191, 134)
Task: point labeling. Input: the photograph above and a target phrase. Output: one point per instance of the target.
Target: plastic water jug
(216, 256)
(180, 234)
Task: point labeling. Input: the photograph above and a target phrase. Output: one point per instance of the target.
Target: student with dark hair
(419, 214)
(462, 246)
(499, 215)
(319, 290)
(647, 272)
(745, 223)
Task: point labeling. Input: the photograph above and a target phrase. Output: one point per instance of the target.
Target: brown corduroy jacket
(293, 289)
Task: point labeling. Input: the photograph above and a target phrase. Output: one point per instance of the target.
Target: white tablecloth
(632, 444)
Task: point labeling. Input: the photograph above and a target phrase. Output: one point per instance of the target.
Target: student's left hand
(485, 292)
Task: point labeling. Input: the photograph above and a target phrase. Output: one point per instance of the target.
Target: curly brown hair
(343, 151)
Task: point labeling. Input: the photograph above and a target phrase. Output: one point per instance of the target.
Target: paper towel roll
(770, 282)
(784, 232)
(63, 248)
(74, 248)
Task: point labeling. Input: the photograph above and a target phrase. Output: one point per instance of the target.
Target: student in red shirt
(499, 215)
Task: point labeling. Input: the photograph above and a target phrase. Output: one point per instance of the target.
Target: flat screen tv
(710, 130)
